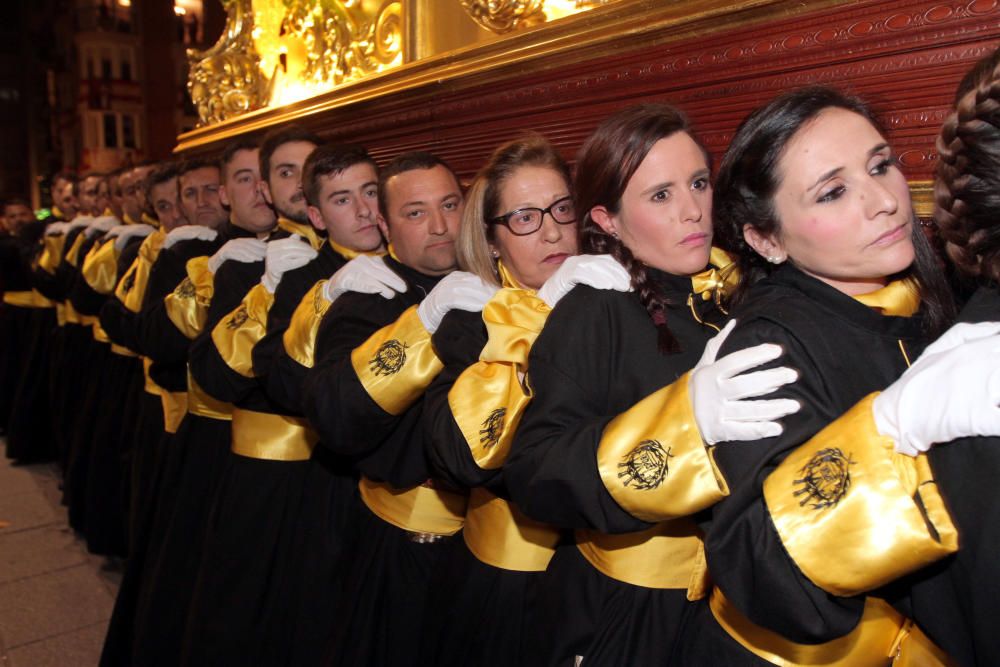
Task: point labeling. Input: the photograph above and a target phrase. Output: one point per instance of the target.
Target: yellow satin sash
(900, 298)
(883, 637)
(122, 351)
(131, 289)
(98, 332)
(499, 534)
(236, 334)
(489, 397)
(719, 280)
(150, 386)
(397, 363)
(100, 267)
(52, 248)
(306, 231)
(73, 254)
(187, 306)
(419, 509)
(299, 339)
(852, 513)
(27, 299)
(669, 555)
(175, 406)
(202, 404)
(70, 314)
(262, 435)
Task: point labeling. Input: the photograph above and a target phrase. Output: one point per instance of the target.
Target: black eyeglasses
(525, 221)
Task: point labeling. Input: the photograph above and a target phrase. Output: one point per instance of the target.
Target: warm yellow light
(180, 11)
(125, 3)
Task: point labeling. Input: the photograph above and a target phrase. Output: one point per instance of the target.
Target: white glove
(122, 233)
(79, 221)
(459, 289)
(368, 275)
(950, 392)
(285, 255)
(54, 228)
(597, 271)
(189, 233)
(101, 225)
(718, 391)
(239, 250)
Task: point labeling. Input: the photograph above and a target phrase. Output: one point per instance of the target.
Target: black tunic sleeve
(84, 298)
(551, 472)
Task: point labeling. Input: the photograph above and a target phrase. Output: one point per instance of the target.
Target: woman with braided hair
(616, 442)
(822, 521)
(957, 602)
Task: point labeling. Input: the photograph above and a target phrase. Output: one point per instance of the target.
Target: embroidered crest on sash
(826, 478)
(489, 434)
(645, 467)
(389, 358)
(186, 289)
(238, 318)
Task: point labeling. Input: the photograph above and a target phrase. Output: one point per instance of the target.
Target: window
(126, 65)
(110, 130)
(107, 67)
(128, 131)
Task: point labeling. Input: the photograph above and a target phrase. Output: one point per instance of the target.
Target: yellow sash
(201, 404)
(262, 435)
(175, 406)
(668, 555)
(27, 299)
(419, 509)
(498, 534)
(881, 635)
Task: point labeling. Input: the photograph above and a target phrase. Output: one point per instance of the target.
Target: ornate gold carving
(502, 16)
(273, 53)
(225, 80)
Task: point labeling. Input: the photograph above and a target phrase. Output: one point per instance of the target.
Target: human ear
(767, 246)
(605, 220)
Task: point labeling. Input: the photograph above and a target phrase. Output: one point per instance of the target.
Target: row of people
(372, 419)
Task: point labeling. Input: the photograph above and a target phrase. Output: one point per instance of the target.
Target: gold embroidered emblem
(645, 467)
(129, 282)
(238, 318)
(389, 358)
(489, 434)
(826, 478)
(186, 289)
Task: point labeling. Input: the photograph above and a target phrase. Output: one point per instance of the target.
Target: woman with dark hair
(518, 230)
(613, 443)
(957, 602)
(843, 502)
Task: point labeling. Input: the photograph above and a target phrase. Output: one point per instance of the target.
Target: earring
(614, 235)
(496, 255)
(773, 259)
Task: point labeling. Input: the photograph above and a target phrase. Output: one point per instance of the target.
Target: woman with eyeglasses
(615, 441)
(823, 519)
(518, 231)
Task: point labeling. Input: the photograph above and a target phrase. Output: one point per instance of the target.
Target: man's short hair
(280, 136)
(403, 163)
(162, 173)
(331, 159)
(241, 143)
(194, 164)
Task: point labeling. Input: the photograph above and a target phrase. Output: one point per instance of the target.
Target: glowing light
(125, 3)
(180, 11)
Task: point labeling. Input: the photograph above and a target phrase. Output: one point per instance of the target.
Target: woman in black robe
(610, 446)
(822, 517)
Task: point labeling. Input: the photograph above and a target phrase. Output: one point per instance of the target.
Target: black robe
(596, 357)
(843, 350)
(385, 581)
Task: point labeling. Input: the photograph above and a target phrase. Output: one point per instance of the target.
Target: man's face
(242, 194)
(130, 195)
(200, 202)
(16, 216)
(88, 196)
(62, 195)
(165, 199)
(422, 220)
(103, 201)
(283, 188)
(348, 208)
(117, 199)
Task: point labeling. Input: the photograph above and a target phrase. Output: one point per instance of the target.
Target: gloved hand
(365, 274)
(597, 271)
(54, 228)
(101, 225)
(718, 392)
(79, 221)
(188, 233)
(951, 391)
(284, 255)
(238, 250)
(122, 233)
(459, 289)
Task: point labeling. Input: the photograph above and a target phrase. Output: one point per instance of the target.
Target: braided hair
(967, 182)
(608, 159)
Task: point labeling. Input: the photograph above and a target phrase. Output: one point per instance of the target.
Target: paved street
(55, 598)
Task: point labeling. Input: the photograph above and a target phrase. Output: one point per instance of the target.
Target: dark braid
(595, 241)
(967, 183)
(608, 159)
